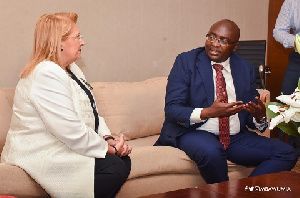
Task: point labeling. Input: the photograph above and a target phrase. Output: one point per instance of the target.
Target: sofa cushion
(15, 181)
(160, 160)
(5, 117)
(167, 160)
(135, 109)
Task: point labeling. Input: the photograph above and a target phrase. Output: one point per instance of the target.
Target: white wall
(126, 40)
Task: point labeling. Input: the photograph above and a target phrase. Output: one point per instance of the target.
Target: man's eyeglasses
(223, 42)
(79, 37)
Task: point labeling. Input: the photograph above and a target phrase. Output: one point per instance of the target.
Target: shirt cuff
(195, 116)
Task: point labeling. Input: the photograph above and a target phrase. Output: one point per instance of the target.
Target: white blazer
(52, 133)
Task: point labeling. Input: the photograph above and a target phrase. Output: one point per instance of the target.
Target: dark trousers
(289, 84)
(111, 173)
(247, 149)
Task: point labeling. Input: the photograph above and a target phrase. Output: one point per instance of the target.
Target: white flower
(292, 100)
(275, 121)
(274, 108)
(296, 116)
(291, 111)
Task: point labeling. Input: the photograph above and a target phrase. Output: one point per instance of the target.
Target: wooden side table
(276, 185)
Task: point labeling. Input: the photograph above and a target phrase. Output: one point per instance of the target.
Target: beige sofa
(136, 110)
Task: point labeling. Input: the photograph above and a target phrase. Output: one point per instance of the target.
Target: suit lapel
(203, 65)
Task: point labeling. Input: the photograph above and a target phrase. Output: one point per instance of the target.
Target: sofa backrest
(6, 102)
(135, 109)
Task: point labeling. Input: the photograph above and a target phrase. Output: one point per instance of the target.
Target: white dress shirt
(212, 124)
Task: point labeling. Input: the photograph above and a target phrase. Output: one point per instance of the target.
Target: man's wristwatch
(263, 120)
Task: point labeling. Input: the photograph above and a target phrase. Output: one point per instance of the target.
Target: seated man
(209, 119)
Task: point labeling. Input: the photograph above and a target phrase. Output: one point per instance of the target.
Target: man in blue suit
(192, 110)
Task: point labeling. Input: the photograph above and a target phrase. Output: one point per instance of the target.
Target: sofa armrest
(264, 91)
(261, 93)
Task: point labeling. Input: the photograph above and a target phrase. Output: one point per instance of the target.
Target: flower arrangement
(286, 116)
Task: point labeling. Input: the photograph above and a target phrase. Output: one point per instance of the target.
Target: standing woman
(56, 134)
(289, 18)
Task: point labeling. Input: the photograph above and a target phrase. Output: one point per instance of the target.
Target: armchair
(255, 52)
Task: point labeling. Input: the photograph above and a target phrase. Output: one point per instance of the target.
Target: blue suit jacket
(190, 85)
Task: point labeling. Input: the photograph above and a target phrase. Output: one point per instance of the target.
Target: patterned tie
(223, 122)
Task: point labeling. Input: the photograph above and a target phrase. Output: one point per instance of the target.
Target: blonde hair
(49, 32)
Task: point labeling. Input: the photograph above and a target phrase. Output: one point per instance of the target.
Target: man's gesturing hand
(221, 109)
